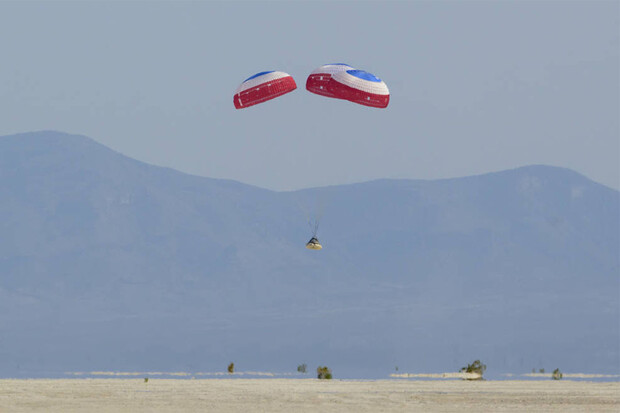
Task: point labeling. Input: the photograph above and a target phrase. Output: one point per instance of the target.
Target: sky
(475, 87)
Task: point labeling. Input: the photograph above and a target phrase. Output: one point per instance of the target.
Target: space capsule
(313, 244)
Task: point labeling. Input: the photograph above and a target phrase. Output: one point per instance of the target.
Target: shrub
(231, 368)
(302, 368)
(477, 367)
(324, 373)
(556, 375)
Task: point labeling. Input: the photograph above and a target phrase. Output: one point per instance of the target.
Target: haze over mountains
(107, 263)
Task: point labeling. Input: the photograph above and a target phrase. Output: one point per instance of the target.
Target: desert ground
(304, 395)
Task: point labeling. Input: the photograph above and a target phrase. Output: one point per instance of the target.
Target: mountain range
(108, 263)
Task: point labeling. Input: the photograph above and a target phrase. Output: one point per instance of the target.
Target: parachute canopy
(262, 87)
(360, 87)
(318, 79)
(313, 244)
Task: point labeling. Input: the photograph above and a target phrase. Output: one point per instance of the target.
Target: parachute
(318, 79)
(360, 87)
(334, 80)
(262, 87)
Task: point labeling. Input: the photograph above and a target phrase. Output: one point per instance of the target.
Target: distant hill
(107, 263)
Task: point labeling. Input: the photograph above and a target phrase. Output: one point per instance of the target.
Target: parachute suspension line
(314, 226)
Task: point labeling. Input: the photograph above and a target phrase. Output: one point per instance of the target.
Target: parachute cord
(314, 226)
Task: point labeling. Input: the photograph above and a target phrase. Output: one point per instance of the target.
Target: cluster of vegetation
(324, 373)
(476, 367)
(556, 375)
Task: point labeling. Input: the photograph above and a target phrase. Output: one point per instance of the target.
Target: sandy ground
(304, 395)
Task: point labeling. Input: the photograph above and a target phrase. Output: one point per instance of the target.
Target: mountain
(108, 263)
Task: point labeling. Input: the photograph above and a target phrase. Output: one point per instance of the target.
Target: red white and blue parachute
(360, 87)
(262, 87)
(335, 80)
(318, 79)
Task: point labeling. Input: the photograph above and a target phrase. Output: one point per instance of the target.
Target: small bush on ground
(324, 373)
(477, 367)
(231, 368)
(556, 375)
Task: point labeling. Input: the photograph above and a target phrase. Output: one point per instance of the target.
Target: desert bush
(324, 373)
(302, 368)
(231, 368)
(476, 367)
(556, 375)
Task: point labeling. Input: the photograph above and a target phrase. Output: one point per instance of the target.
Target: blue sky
(475, 86)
